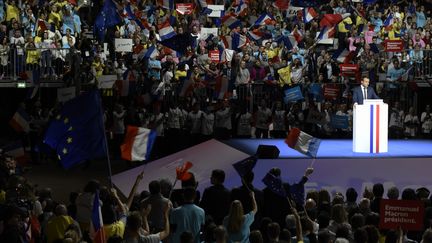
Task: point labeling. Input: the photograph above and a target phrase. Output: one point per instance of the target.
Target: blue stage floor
(340, 148)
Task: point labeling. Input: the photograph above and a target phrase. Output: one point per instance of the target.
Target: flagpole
(106, 145)
(313, 162)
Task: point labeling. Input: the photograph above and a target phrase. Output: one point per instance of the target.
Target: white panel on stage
(205, 157)
(370, 127)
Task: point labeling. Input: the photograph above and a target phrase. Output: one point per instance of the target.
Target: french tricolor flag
(298, 35)
(167, 4)
(257, 35)
(151, 52)
(221, 88)
(166, 31)
(343, 55)
(265, 19)
(240, 10)
(138, 143)
(20, 121)
(327, 33)
(309, 14)
(332, 19)
(97, 231)
(231, 21)
(17, 151)
(303, 142)
(238, 41)
(388, 22)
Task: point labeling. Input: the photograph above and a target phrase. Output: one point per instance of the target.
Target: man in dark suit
(363, 92)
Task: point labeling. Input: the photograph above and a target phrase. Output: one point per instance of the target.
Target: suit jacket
(358, 94)
(216, 202)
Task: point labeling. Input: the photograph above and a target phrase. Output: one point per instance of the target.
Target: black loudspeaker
(267, 152)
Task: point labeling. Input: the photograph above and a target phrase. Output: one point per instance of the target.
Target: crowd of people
(264, 50)
(217, 214)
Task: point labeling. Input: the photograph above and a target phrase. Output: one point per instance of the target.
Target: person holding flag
(277, 193)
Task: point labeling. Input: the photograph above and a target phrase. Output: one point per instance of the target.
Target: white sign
(65, 94)
(292, 11)
(216, 10)
(328, 41)
(206, 32)
(123, 45)
(106, 81)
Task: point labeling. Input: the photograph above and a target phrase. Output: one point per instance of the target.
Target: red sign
(404, 213)
(331, 91)
(184, 8)
(349, 69)
(214, 55)
(393, 45)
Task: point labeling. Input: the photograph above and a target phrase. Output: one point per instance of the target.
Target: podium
(370, 127)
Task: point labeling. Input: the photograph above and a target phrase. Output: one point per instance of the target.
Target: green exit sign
(21, 85)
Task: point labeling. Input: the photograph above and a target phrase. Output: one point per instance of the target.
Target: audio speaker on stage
(267, 152)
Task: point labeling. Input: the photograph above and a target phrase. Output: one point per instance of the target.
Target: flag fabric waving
(274, 183)
(138, 143)
(245, 166)
(332, 19)
(77, 133)
(303, 142)
(108, 17)
(182, 172)
(97, 231)
(20, 121)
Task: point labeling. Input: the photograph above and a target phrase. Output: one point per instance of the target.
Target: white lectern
(370, 127)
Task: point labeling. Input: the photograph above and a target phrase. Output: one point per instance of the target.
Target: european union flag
(297, 193)
(77, 133)
(274, 183)
(245, 166)
(108, 17)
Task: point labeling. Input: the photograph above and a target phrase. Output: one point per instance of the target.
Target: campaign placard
(123, 45)
(393, 45)
(406, 214)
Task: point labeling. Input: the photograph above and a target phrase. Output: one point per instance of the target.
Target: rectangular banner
(123, 45)
(216, 10)
(65, 94)
(206, 32)
(293, 95)
(349, 69)
(292, 11)
(331, 91)
(184, 8)
(340, 122)
(214, 55)
(406, 214)
(106, 81)
(393, 45)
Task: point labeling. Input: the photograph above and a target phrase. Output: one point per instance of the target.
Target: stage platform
(332, 148)
(407, 164)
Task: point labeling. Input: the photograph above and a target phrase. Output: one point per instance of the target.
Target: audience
(226, 84)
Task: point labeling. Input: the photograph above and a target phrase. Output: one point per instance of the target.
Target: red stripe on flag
(292, 138)
(377, 128)
(126, 147)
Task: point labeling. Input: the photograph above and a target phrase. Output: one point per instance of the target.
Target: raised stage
(407, 163)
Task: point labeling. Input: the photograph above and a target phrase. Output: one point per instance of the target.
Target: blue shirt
(243, 235)
(187, 217)
(421, 19)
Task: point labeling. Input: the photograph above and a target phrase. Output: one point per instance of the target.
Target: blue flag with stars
(77, 132)
(107, 17)
(274, 183)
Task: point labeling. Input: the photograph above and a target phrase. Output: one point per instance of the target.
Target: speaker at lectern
(370, 127)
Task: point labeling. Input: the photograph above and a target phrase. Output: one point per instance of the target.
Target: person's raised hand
(309, 171)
